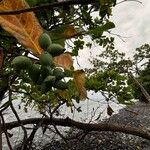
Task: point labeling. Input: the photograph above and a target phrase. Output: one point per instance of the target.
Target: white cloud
(132, 20)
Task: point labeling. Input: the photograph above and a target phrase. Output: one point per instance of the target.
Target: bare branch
(48, 6)
(16, 115)
(5, 131)
(84, 126)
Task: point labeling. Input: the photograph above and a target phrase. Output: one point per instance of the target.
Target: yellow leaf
(64, 60)
(79, 79)
(64, 94)
(69, 32)
(66, 97)
(24, 27)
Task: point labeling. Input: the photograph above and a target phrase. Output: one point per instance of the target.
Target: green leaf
(96, 32)
(108, 26)
(79, 109)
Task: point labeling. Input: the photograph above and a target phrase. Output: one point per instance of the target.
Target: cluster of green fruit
(53, 49)
(43, 73)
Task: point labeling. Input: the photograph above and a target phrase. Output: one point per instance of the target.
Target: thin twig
(119, 36)
(47, 6)
(4, 106)
(5, 132)
(31, 137)
(128, 1)
(57, 107)
(61, 135)
(16, 115)
(83, 135)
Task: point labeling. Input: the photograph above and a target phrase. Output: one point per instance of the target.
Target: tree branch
(48, 6)
(83, 126)
(5, 132)
(144, 92)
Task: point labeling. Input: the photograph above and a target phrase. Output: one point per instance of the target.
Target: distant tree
(141, 69)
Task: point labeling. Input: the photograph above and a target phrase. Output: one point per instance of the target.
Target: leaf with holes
(79, 79)
(24, 27)
(64, 60)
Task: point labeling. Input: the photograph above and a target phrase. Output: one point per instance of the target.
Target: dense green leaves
(141, 65)
(111, 83)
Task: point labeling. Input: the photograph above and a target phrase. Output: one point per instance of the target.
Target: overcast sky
(132, 20)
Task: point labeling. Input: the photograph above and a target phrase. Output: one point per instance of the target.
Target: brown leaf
(64, 60)
(1, 57)
(24, 27)
(69, 31)
(109, 110)
(64, 94)
(79, 79)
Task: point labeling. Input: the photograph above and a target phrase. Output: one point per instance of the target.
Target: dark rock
(137, 115)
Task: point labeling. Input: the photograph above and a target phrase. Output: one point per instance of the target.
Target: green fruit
(46, 71)
(61, 85)
(34, 72)
(21, 62)
(58, 73)
(46, 59)
(55, 49)
(45, 40)
(50, 80)
(32, 3)
(47, 83)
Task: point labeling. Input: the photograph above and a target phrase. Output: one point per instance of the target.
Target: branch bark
(84, 126)
(48, 6)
